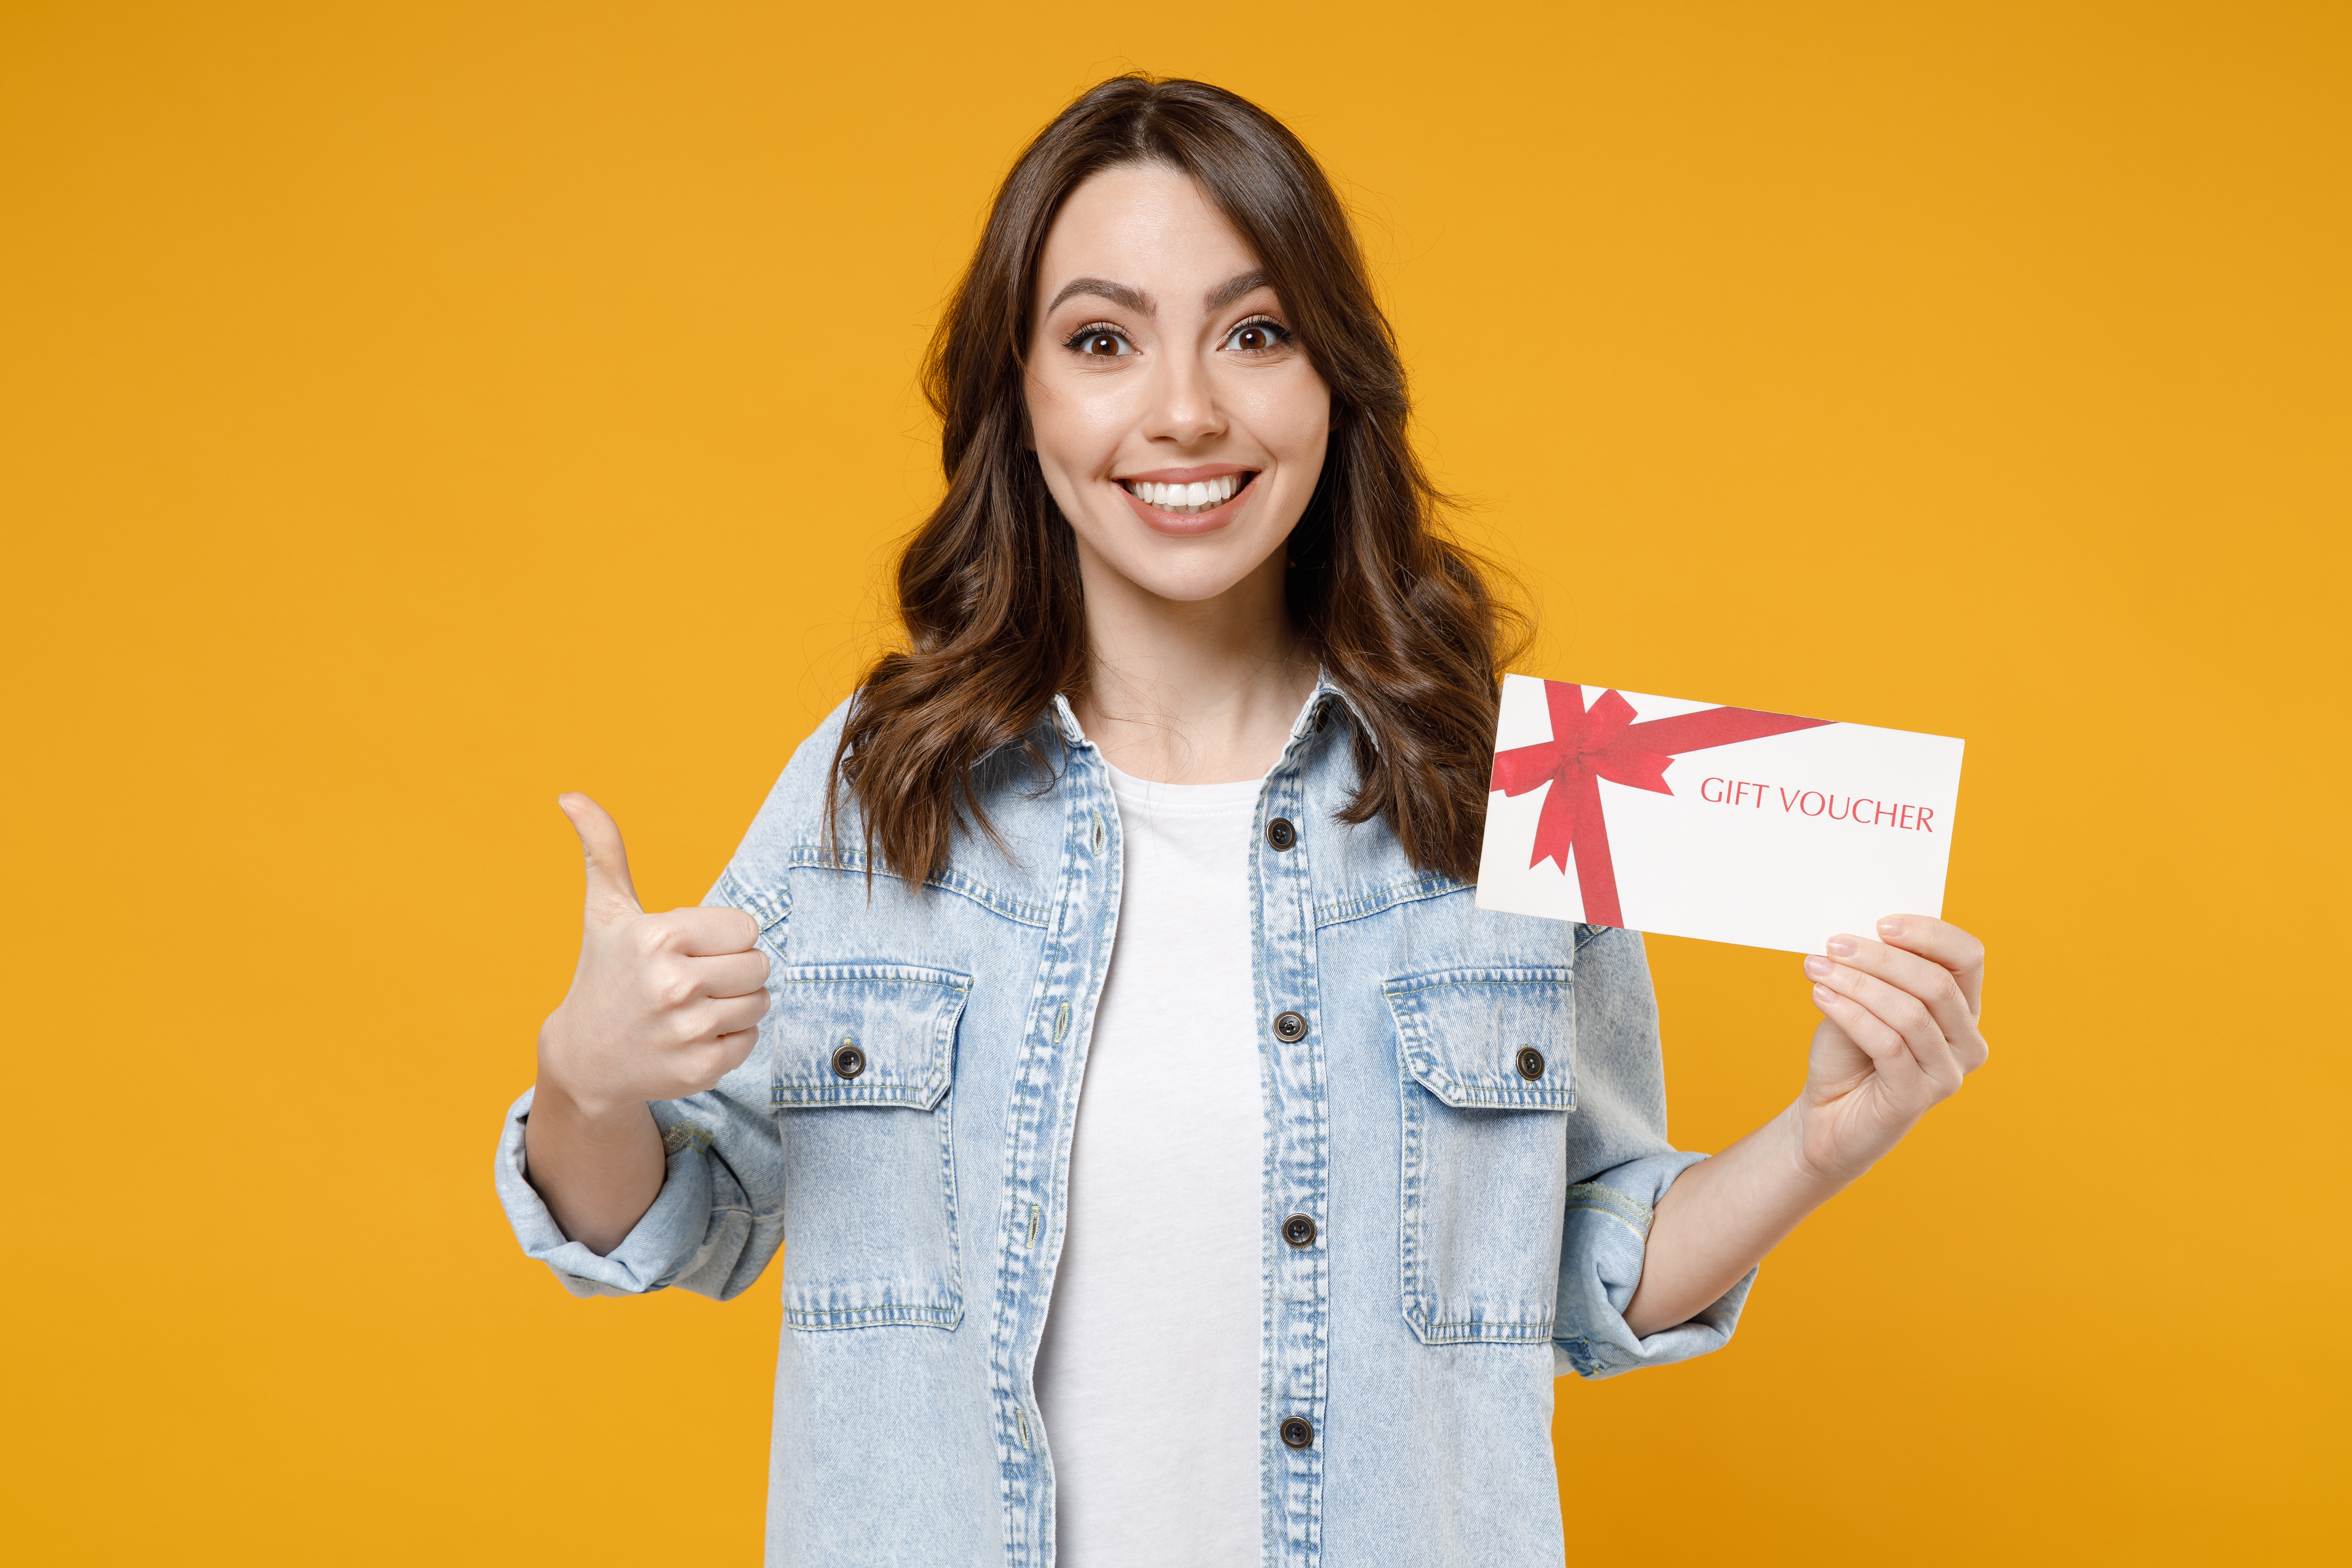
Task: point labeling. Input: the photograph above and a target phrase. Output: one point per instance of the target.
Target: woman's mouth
(1188, 499)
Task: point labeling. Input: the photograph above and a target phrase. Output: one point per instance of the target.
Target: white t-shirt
(1148, 1373)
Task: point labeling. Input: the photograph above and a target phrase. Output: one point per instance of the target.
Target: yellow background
(409, 411)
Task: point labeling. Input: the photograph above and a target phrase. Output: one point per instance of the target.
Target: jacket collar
(1327, 693)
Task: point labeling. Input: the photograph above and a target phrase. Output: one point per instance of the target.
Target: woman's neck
(1192, 692)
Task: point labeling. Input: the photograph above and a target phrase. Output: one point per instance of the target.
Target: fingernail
(1823, 995)
(1891, 927)
(1817, 968)
(1844, 946)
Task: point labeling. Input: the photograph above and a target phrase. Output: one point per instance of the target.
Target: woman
(1176, 1165)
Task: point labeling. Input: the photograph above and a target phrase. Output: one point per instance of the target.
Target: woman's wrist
(1812, 1172)
(1815, 1142)
(593, 1117)
(597, 1168)
(560, 1091)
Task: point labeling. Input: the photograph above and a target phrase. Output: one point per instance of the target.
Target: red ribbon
(1603, 742)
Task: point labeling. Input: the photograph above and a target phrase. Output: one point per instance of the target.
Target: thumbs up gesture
(661, 1006)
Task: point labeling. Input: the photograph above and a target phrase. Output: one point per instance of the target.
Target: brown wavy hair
(1400, 615)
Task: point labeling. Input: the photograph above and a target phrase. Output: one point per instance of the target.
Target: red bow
(1603, 742)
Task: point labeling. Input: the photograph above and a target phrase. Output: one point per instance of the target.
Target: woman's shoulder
(796, 800)
(792, 832)
(790, 821)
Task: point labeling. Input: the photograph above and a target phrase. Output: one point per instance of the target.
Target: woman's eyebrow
(1233, 289)
(1133, 298)
(1118, 294)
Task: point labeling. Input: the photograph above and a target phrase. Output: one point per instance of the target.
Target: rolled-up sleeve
(1620, 1165)
(719, 1218)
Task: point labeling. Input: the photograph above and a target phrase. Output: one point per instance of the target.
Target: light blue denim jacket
(1474, 1117)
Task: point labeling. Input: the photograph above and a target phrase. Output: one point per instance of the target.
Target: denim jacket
(1469, 1106)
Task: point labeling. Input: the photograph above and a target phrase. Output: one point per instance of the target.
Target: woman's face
(1179, 428)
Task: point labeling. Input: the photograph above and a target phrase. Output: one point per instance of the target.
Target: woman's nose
(1183, 403)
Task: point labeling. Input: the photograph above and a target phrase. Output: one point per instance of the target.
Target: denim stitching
(950, 882)
(871, 1317)
(1354, 907)
(945, 1115)
(1431, 1075)
(920, 1093)
(769, 908)
(1630, 1212)
(1296, 1304)
(1482, 974)
(1469, 1097)
(683, 1134)
(1446, 1077)
(1581, 1355)
(1462, 1329)
(1414, 1117)
(897, 973)
(1037, 1124)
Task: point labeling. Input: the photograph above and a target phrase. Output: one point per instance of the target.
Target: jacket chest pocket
(1487, 1084)
(864, 1057)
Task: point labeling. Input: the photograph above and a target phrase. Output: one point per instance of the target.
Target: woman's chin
(1194, 576)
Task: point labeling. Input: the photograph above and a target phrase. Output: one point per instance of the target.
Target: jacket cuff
(1601, 1249)
(651, 1253)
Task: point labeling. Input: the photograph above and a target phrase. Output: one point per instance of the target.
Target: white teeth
(1187, 498)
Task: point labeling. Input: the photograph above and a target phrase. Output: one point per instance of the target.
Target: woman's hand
(1898, 1033)
(661, 1006)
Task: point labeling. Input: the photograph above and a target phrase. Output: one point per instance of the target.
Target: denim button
(1298, 1230)
(1280, 834)
(849, 1061)
(1531, 1063)
(1299, 1432)
(1289, 1028)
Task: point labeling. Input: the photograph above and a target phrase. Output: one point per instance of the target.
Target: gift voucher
(1731, 824)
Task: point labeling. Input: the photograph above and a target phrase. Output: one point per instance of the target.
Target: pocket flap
(894, 1023)
(1469, 1036)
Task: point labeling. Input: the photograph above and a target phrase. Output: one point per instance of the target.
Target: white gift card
(1731, 824)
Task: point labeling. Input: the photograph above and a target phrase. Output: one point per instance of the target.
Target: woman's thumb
(611, 894)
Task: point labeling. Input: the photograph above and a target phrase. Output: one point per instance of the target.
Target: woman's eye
(1256, 338)
(1100, 343)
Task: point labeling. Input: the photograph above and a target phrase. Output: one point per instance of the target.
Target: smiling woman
(1202, 420)
(1193, 309)
(1098, 1016)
